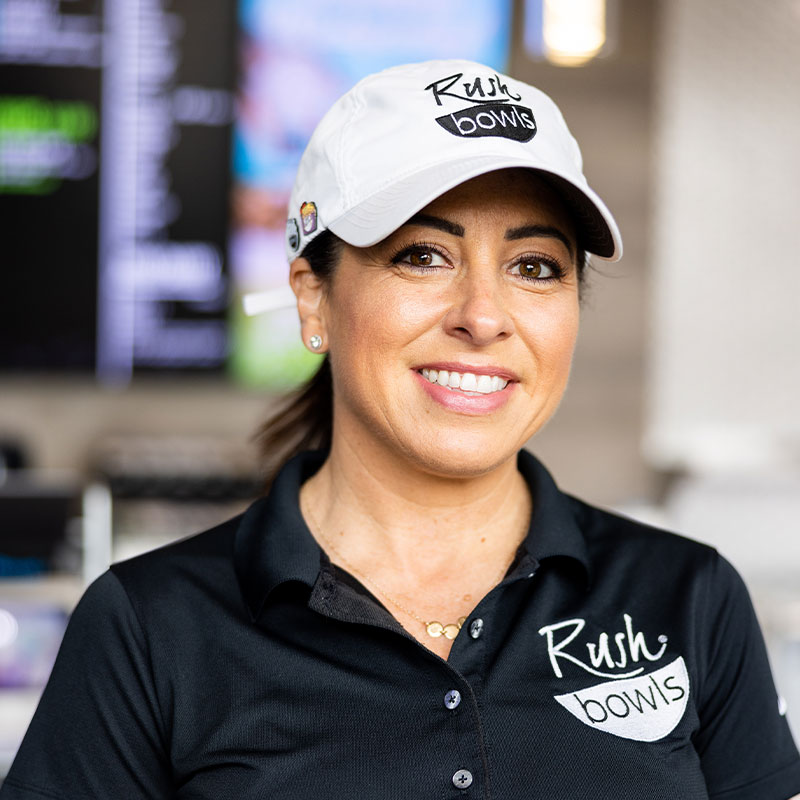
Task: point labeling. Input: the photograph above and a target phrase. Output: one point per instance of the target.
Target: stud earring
(315, 342)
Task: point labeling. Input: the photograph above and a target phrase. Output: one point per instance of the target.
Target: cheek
(369, 324)
(551, 333)
(367, 329)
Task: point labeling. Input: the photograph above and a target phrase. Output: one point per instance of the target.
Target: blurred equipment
(55, 537)
(12, 456)
(38, 527)
(52, 524)
(165, 488)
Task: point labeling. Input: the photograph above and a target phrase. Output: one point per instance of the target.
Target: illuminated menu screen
(115, 127)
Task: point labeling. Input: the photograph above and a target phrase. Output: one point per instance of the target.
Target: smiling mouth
(466, 382)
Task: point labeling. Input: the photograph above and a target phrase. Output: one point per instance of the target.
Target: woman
(415, 610)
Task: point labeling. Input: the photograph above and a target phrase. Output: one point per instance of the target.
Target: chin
(464, 458)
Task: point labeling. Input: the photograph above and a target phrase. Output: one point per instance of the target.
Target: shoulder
(214, 545)
(611, 546)
(612, 536)
(183, 576)
(637, 557)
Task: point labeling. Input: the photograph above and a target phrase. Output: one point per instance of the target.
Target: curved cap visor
(377, 217)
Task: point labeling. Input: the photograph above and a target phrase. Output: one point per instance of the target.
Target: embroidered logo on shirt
(633, 704)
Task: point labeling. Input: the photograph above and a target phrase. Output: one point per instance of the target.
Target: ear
(310, 293)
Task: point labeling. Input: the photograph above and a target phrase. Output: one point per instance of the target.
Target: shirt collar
(274, 545)
(554, 531)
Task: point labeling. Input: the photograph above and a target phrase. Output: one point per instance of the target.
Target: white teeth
(468, 382)
(484, 384)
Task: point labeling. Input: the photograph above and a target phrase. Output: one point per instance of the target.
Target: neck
(397, 522)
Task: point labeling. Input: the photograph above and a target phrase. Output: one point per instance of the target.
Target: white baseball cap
(402, 137)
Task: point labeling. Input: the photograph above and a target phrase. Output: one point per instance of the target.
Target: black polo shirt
(613, 661)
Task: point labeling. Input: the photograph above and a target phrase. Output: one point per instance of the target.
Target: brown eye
(530, 269)
(536, 269)
(422, 258)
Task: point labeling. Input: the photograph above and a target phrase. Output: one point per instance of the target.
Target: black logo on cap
(494, 114)
(481, 90)
(509, 121)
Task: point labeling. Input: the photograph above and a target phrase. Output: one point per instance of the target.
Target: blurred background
(147, 150)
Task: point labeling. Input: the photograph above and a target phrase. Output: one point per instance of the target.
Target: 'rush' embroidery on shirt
(633, 704)
(631, 646)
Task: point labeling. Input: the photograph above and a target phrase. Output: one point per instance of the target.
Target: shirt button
(476, 628)
(452, 698)
(462, 779)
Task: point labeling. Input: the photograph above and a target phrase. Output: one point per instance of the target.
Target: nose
(479, 314)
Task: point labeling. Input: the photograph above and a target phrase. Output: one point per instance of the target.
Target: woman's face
(481, 283)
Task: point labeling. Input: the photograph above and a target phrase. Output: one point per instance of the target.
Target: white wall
(724, 383)
(723, 388)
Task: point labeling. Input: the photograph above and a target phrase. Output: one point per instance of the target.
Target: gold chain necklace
(434, 628)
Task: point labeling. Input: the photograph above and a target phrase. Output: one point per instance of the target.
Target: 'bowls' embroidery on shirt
(645, 708)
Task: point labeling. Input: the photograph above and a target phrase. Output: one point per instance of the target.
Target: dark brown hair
(304, 420)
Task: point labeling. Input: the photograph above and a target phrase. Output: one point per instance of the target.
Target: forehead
(507, 197)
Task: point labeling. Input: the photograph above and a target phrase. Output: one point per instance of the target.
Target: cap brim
(383, 212)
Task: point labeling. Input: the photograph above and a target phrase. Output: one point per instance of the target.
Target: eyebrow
(533, 231)
(440, 224)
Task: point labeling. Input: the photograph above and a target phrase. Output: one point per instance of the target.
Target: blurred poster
(296, 59)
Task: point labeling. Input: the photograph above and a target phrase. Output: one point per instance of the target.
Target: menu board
(115, 124)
